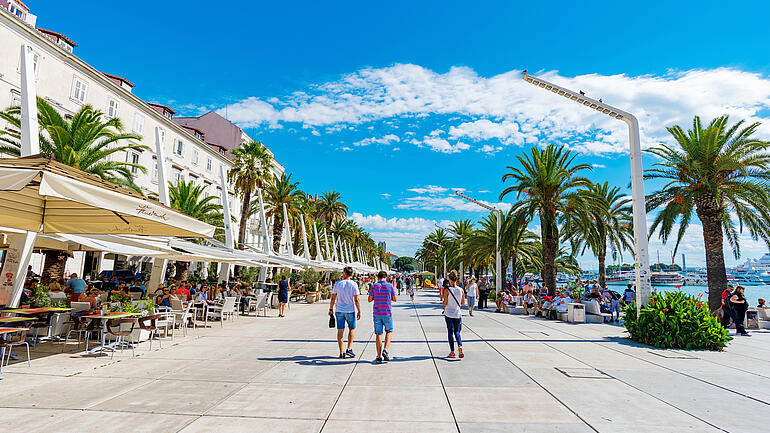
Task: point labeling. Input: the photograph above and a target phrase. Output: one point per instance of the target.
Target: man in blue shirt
(77, 285)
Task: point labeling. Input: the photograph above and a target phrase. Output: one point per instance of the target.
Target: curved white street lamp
(641, 252)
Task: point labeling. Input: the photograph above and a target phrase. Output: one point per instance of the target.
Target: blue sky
(396, 104)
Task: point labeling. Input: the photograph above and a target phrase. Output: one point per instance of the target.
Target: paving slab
(208, 424)
(280, 401)
(404, 403)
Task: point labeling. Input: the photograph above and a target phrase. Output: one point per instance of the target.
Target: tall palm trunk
(708, 212)
(53, 266)
(242, 228)
(550, 235)
(277, 231)
(182, 269)
(602, 256)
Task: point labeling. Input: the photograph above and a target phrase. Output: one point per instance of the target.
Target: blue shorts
(342, 318)
(383, 322)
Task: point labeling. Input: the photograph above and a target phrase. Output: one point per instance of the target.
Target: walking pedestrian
(348, 309)
(470, 293)
(382, 294)
(739, 306)
(283, 296)
(483, 293)
(453, 298)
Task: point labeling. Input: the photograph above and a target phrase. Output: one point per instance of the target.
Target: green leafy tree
(604, 221)
(251, 170)
(330, 208)
(279, 192)
(87, 143)
(719, 173)
(545, 185)
(191, 200)
(404, 264)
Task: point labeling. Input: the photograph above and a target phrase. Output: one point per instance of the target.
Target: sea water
(753, 293)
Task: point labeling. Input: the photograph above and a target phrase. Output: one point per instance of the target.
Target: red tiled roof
(115, 77)
(162, 106)
(192, 129)
(22, 5)
(58, 35)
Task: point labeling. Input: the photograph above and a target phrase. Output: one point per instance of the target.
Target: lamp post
(442, 247)
(439, 227)
(641, 253)
(498, 265)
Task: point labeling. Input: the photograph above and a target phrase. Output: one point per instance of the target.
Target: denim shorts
(342, 318)
(471, 300)
(383, 322)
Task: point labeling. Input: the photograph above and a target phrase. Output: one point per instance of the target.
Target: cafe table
(40, 311)
(104, 317)
(4, 331)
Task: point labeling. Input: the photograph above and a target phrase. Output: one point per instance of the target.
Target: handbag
(332, 321)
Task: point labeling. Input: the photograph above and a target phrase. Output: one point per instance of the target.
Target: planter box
(311, 297)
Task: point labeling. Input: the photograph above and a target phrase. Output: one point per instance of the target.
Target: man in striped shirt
(382, 294)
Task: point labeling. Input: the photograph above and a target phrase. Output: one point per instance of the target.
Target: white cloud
(388, 139)
(346, 148)
(429, 189)
(402, 235)
(385, 195)
(443, 146)
(598, 166)
(505, 108)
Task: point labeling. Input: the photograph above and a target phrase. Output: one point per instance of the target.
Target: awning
(41, 195)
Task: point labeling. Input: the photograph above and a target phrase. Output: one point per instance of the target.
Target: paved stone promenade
(282, 375)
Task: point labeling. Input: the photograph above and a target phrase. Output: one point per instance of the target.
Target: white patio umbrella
(41, 195)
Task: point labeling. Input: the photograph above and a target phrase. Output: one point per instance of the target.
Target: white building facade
(67, 83)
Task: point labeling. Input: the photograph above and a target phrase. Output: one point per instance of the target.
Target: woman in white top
(471, 293)
(453, 298)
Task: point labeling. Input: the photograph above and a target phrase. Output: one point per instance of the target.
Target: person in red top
(183, 292)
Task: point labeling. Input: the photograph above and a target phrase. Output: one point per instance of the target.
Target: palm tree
(721, 172)
(85, 143)
(519, 242)
(330, 208)
(604, 220)
(461, 231)
(251, 168)
(545, 185)
(279, 192)
(190, 199)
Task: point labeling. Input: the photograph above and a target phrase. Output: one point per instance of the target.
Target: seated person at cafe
(183, 292)
(163, 299)
(119, 291)
(761, 304)
(549, 301)
(77, 285)
(530, 302)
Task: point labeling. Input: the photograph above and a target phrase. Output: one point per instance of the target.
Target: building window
(179, 147)
(195, 156)
(193, 179)
(15, 98)
(167, 114)
(208, 165)
(79, 88)
(133, 158)
(138, 123)
(176, 175)
(219, 196)
(112, 108)
(206, 188)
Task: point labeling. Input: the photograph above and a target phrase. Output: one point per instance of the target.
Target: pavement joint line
(616, 378)
(435, 365)
(345, 385)
(604, 345)
(533, 379)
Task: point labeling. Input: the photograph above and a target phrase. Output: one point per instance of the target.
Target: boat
(666, 279)
(747, 279)
(697, 278)
(757, 267)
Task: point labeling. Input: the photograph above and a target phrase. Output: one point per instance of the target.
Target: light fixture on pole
(642, 262)
(498, 264)
(439, 227)
(442, 247)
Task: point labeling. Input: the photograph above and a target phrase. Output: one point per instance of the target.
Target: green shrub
(492, 295)
(676, 320)
(310, 277)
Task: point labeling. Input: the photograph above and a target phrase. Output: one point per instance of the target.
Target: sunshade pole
(304, 237)
(159, 265)
(20, 246)
(224, 268)
(318, 255)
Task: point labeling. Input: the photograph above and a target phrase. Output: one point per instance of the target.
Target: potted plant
(310, 277)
